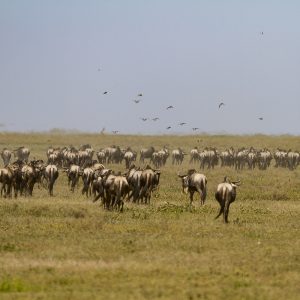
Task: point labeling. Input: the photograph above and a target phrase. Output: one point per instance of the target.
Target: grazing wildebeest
(194, 182)
(146, 153)
(22, 153)
(149, 182)
(6, 156)
(225, 195)
(51, 174)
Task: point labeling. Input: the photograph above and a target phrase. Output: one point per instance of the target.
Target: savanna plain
(67, 247)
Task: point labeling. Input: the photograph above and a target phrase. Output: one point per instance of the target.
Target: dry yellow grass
(67, 247)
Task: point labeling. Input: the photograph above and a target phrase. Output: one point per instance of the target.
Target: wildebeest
(73, 173)
(101, 156)
(292, 159)
(149, 182)
(6, 156)
(31, 173)
(22, 153)
(280, 158)
(177, 156)
(208, 156)
(116, 189)
(146, 153)
(98, 188)
(113, 154)
(194, 182)
(51, 174)
(159, 158)
(194, 155)
(129, 157)
(87, 178)
(225, 195)
(134, 180)
(6, 180)
(241, 158)
(264, 158)
(227, 157)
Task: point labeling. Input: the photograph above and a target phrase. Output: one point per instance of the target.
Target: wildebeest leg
(191, 197)
(97, 197)
(220, 212)
(226, 211)
(1, 190)
(217, 196)
(51, 183)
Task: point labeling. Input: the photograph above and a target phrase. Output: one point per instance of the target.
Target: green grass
(67, 247)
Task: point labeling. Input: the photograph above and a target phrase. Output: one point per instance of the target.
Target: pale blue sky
(189, 54)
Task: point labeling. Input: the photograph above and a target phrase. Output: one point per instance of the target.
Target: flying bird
(115, 131)
(195, 128)
(169, 127)
(155, 119)
(222, 103)
(140, 95)
(182, 123)
(169, 107)
(144, 119)
(261, 118)
(105, 92)
(137, 101)
(262, 33)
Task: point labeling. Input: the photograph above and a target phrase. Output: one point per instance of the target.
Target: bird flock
(139, 99)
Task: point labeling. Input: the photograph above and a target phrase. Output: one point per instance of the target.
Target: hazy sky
(189, 54)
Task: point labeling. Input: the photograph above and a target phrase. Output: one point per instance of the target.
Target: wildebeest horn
(179, 175)
(236, 182)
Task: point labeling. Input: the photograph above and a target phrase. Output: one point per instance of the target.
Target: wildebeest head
(185, 182)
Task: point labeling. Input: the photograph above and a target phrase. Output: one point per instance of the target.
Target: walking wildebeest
(225, 195)
(149, 182)
(73, 174)
(116, 189)
(134, 180)
(51, 174)
(194, 182)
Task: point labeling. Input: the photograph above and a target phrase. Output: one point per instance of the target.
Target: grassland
(67, 247)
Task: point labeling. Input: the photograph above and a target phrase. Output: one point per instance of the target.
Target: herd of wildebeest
(135, 184)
